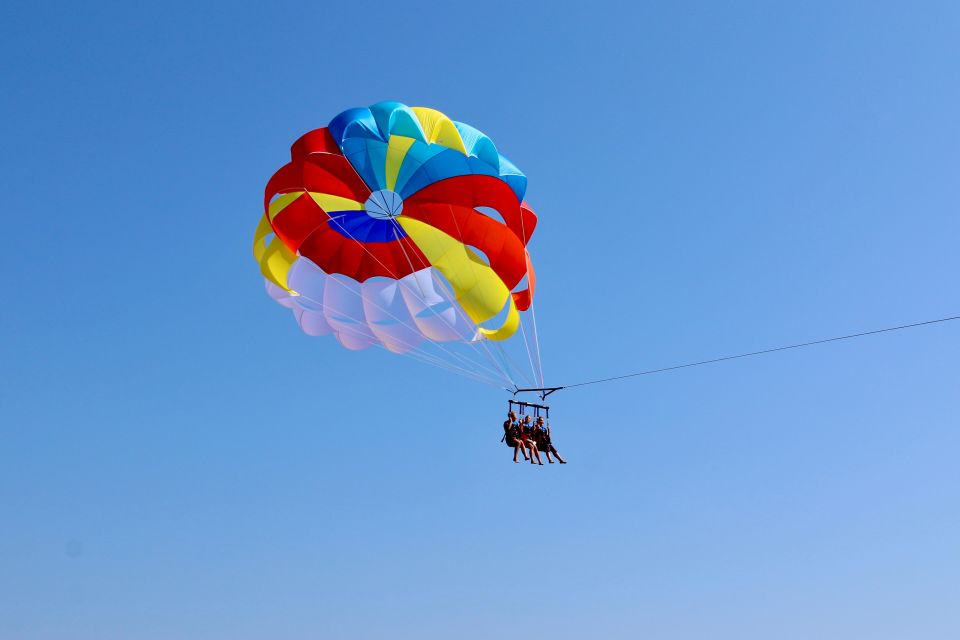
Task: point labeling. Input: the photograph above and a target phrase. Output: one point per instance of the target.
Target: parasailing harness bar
(523, 406)
(543, 392)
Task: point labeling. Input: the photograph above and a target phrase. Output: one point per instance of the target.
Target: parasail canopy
(397, 227)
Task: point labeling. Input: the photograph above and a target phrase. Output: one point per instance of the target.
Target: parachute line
(536, 338)
(456, 308)
(526, 344)
(452, 354)
(508, 361)
(483, 342)
(746, 355)
(415, 351)
(533, 315)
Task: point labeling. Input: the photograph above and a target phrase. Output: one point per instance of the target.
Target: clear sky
(178, 461)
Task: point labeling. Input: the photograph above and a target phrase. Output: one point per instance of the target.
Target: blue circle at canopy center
(383, 205)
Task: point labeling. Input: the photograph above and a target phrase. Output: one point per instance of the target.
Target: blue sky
(178, 461)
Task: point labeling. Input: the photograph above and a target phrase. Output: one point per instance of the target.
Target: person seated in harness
(544, 443)
(512, 435)
(529, 439)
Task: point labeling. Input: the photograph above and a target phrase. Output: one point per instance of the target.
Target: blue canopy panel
(513, 177)
(368, 156)
(396, 119)
(440, 163)
(353, 123)
(478, 144)
(359, 226)
(363, 133)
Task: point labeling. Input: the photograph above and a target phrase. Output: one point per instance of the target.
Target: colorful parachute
(396, 226)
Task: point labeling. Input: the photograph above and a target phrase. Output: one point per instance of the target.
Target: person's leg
(547, 451)
(518, 448)
(535, 452)
(562, 461)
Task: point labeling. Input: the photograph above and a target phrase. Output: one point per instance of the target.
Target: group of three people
(529, 437)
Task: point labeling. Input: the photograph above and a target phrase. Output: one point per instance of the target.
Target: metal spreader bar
(542, 391)
(522, 408)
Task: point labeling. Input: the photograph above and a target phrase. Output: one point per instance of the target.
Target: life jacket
(544, 434)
